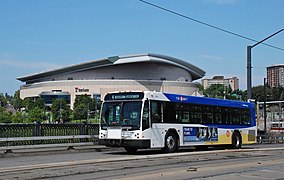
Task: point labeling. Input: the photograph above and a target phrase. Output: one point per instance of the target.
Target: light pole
(249, 63)
(60, 111)
(264, 103)
(88, 113)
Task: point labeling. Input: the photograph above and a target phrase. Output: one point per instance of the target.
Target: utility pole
(249, 84)
(264, 103)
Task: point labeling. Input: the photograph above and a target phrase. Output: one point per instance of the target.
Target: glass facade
(48, 97)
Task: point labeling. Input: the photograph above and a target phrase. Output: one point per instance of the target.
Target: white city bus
(139, 120)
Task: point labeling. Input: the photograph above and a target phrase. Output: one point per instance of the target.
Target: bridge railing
(19, 136)
(271, 138)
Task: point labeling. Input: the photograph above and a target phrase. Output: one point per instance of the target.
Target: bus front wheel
(236, 140)
(171, 143)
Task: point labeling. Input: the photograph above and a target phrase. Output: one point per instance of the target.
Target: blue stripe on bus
(229, 126)
(208, 101)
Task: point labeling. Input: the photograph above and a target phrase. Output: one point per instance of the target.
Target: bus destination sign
(124, 96)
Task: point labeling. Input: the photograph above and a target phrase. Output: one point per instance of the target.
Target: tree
(36, 115)
(200, 87)
(80, 112)
(39, 103)
(17, 102)
(82, 99)
(258, 93)
(18, 118)
(5, 117)
(60, 110)
(215, 91)
(28, 104)
(82, 106)
(238, 95)
(3, 101)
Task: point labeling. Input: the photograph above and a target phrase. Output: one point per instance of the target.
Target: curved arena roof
(196, 72)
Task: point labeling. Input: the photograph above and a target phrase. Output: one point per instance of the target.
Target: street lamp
(88, 113)
(249, 63)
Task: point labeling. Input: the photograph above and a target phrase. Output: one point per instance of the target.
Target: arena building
(119, 73)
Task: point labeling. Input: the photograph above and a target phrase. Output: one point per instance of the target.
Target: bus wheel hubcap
(170, 142)
(237, 141)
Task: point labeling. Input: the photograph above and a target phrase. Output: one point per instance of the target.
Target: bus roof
(134, 95)
(208, 101)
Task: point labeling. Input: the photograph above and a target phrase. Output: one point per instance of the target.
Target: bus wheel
(130, 150)
(236, 140)
(171, 143)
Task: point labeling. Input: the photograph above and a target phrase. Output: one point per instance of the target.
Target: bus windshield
(124, 114)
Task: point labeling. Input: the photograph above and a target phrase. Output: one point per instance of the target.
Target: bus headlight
(127, 134)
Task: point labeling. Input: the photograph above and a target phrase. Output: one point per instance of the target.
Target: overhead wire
(207, 24)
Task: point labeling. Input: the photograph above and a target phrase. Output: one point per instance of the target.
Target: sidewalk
(57, 150)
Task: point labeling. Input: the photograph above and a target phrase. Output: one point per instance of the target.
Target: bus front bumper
(143, 144)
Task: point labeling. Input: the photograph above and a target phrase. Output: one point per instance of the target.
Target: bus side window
(145, 116)
(155, 112)
(196, 114)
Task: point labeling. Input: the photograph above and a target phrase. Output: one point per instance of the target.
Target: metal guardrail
(70, 144)
(24, 136)
(271, 138)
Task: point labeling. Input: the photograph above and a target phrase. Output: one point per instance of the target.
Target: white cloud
(28, 65)
(209, 57)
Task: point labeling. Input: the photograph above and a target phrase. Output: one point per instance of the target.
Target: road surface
(251, 162)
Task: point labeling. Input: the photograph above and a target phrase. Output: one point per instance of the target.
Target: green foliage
(60, 110)
(221, 91)
(39, 103)
(83, 105)
(80, 111)
(5, 117)
(258, 93)
(3, 101)
(16, 101)
(215, 91)
(35, 115)
(18, 117)
(28, 104)
(84, 99)
(200, 87)
(31, 103)
(272, 94)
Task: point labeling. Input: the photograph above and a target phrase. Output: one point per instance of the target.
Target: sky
(40, 35)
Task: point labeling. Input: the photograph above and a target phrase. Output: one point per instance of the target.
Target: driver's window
(155, 112)
(145, 116)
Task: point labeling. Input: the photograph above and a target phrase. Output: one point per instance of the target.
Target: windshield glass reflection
(124, 114)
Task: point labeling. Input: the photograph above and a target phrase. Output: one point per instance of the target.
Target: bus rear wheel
(130, 150)
(171, 143)
(236, 140)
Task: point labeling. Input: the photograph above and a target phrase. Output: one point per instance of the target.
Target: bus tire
(236, 140)
(171, 143)
(130, 150)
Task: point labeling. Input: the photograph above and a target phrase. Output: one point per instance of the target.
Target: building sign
(181, 98)
(79, 90)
